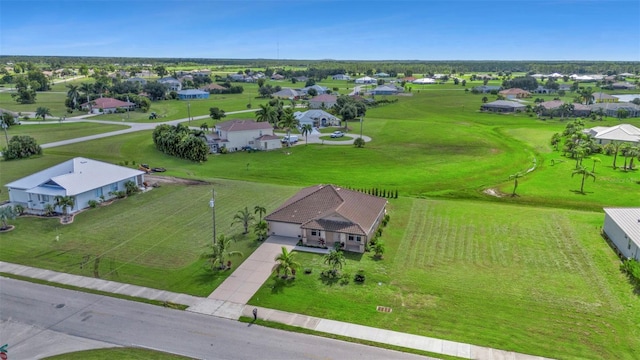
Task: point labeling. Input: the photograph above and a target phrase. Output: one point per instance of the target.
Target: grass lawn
(117, 353)
(56, 131)
(526, 279)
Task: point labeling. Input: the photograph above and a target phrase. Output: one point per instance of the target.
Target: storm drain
(384, 309)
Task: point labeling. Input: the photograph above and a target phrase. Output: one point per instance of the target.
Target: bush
(359, 277)
(93, 204)
(330, 274)
(631, 268)
(21, 147)
(307, 271)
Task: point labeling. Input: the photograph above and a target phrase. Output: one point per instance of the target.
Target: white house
(623, 133)
(622, 227)
(341, 77)
(316, 118)
(424, 81)
(238, 134)
(172, 84)
(323, 215)
(80, 178)
(366, 80)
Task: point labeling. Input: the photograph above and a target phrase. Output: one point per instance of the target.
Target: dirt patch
(157, 179)
(493, 192)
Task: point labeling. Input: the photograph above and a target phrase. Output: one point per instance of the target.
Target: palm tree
(204, 127)
(243, 217)
(220, 251)
(633, 152)
(335, 259)
(595, 160)
(586, 95)
(285, 262)
(73, 94)
(43, 112)
(305, 130)
(288, 121)
(585, 174)
(566, 109)
(515, 182)
(266, 114)
(613, 147)
(261, 229)
(261, 210)
(87, 89)
(556, 139)
(6, 213)
(64, 202)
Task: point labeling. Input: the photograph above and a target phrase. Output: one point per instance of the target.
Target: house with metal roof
(236, 135)
(325, 215)
(80, 178)
(622, 228)
(503, 106)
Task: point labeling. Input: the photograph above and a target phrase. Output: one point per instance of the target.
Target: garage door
(284, 229)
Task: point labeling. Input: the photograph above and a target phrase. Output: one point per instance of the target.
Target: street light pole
(212, 205)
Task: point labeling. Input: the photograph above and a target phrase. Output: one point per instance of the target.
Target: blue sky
(342, 30)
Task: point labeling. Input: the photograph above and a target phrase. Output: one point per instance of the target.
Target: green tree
(586, 95)
(585, 173)
(21, 147)
(204, 127)
(87, 90)
(595, 161)
(485, 99)
(379, 249)
(25, 93)
(216, 113)
(243, 217)
(220, 251)
(285, 263)
(260, 210)
(6, 213)
(83, 70)
(266, 113)
(261, 229)
(43, 112)
(556, 139)
(64, 203)
(73, 93)
(622, 113)
(515, 178)
(335, 259)
(612, 148)
(288, 121)
(305, 130)
(160, 70)
(359, 142)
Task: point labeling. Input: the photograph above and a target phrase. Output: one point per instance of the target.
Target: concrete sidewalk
(233, 310)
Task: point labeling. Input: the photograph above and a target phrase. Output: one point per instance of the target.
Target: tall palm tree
(87, 90)
(243, 217)
(266, 114)
(633, 152)
(43, 112)
(335, 259)
(515, 178)
(306, 129)
(64, 203)
(73, 94)
(585, 173)
(285, 262)
(613, 147)
(587, 95)
(260, 210)
(288, 121)
(595, 160)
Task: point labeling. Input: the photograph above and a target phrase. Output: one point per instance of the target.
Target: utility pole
(212, 205)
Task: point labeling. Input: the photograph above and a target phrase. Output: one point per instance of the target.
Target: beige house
(515, 93)
(323, 215)
(237, 135)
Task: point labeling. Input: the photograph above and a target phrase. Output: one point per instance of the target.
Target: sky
(340, 30)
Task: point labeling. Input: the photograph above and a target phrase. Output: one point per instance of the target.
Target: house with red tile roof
(323, 215)
(515, 93)
(236, 135)
(107, 105)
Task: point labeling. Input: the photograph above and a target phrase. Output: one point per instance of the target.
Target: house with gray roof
(326, 215)
(172, 84)
(320, 90)
(385, 90)
(503, 106)
(600, 97)
(324, 101)
(485, 89)
(287, 93)
(622, 228)
(611, 109)
(316, 118)
(80, 178)
(622, 133)
(341, 77)
(138, 80)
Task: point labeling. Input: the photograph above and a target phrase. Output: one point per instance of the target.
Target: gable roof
(165, 80)
(286, 92)
(109, 103)
(74, 177)
(311, 115)
(213, 86)
(243, 125)
(504, 104)
(622, 132)
(311, 206)
(628, 219)
(324, 98)
(192, 92)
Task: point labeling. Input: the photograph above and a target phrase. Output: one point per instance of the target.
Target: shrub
(19, 209)
(93, 203)
(21, 147)
(307, 271)
(359, 277)
(631, 268)
(344, 280)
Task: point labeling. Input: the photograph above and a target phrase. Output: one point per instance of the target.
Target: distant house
(201, 72)
(611, 109)
(213, 88)
(138, 80)
(303, 79)
(424, 81)
(319, 89)
(600, 97)
(236, 77)
(316, 118)
(622, 227)
(622, 86)
(385, 90)
(485, 89)
(341, 77)
(277, 77)
(515, 93)
(192, 94)
(237, 134)
(287, 93)
(503, 106)
(543, 90)
(366, 80)
(327, 215)
(324, 101)
(172, 84)
(381, 74)
(551, 106)
(107, 105)
(623, 133)
(564, 87)
(409, 79)
(80, 178)
(581, 110)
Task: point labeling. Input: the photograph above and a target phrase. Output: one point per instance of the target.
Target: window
(98, 192)
(114, 187)
(354, 238)
(314, 233)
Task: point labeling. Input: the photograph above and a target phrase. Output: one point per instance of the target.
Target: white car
(337, 134)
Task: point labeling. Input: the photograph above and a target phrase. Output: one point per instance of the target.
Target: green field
(56, 131)
(119, 353)
(528, 273)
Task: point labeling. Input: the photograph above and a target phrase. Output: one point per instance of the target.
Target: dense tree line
(180, 141)
(523, 82)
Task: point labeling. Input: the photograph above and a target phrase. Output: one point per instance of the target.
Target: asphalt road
(38, 321)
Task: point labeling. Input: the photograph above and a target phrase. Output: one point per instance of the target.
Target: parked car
(337, 134)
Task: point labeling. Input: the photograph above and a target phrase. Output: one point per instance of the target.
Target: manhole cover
(384, 309)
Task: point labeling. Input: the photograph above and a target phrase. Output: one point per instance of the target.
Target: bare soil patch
(157, 179)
